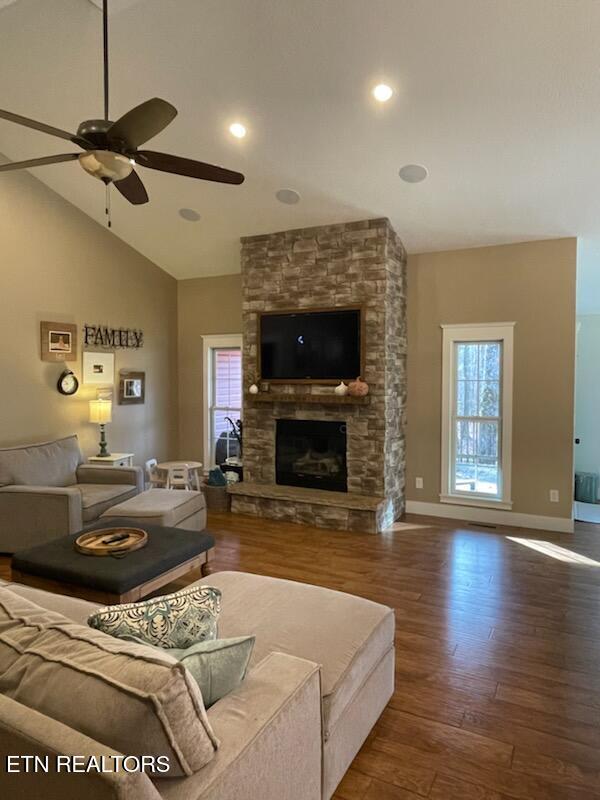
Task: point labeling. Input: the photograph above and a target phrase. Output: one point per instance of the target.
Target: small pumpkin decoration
(358, 388)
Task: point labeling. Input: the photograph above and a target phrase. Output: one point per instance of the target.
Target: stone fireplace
(309, 455)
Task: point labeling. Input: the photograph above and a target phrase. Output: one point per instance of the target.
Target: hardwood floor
(498, 652)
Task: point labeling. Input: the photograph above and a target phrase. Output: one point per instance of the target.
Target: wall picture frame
(98, 368)
(58, 341)
(132, 387)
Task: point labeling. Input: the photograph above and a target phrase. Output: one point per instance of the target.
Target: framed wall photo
(132, 387)
(58, 341)
(98, 368)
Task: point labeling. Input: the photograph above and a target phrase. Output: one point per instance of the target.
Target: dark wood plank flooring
(498, 653)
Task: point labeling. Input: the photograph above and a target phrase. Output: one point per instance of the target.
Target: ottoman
(167, 507)
(57, 566)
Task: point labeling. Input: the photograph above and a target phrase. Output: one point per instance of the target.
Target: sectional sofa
(321, 673)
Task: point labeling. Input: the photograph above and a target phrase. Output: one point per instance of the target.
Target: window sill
(480, 502)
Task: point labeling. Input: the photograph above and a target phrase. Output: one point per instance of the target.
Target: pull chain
(107, 206)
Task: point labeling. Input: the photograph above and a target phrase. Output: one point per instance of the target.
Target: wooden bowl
(94, 543)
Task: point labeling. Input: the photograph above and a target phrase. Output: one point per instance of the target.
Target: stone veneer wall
(336, 265)
(395, 376)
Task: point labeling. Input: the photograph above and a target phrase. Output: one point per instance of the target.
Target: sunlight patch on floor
(405, 526)
(555, 551)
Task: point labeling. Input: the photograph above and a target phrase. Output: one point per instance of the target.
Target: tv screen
(310, 345)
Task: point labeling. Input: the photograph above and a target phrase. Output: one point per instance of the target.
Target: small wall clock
(67, 383)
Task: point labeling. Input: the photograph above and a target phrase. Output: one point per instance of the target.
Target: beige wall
(206, 306)
(57, 264)
(532, 284)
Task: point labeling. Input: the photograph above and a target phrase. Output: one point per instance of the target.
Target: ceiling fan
(111, 148)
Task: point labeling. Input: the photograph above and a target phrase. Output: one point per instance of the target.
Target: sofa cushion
(96, 498)
(74, 608)
(346, 635)
(179, 619)
(47, 464)
(80, 676)
(160, 507)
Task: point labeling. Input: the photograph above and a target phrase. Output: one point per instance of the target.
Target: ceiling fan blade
(142, 123)
(186, 166)
(38, 162)
(132, 189)
(41, 126)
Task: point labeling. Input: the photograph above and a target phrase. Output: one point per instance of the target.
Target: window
(222, 396)
(477, 413)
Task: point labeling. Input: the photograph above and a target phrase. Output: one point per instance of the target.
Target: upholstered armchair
(46, 491)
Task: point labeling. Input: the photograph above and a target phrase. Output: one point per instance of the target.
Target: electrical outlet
(418, 483)
(554, 495)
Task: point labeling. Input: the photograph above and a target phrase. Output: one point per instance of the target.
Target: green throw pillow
(218, 666)
(176, 620)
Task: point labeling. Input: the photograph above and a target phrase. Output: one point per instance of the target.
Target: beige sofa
(46, 491)
(321, 673)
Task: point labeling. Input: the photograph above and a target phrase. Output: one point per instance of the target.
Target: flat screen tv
(319, 346)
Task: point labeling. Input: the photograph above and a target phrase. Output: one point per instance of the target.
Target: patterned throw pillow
(176, 620)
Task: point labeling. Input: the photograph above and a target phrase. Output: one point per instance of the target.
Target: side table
(113, 460)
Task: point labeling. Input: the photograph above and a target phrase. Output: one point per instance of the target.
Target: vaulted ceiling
(500, 100)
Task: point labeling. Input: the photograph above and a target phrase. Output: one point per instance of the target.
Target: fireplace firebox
(312, 454)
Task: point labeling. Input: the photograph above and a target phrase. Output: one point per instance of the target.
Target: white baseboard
(490, 516)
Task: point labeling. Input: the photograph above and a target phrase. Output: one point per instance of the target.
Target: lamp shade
(100, 411)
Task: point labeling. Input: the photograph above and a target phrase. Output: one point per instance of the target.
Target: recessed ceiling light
(238, 130)
(413, 173)
(189, 214)
(382, 92)
(288, 196)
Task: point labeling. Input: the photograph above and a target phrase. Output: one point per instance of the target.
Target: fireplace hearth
(311, 454)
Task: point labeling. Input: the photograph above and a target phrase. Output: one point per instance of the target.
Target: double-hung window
(222, 396)
(477, 414)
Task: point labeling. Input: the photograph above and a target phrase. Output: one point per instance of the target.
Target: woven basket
(217, 497)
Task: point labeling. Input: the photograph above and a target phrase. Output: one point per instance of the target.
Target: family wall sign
(103, 336)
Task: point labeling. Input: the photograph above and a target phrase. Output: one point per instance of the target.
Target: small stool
(171, 509)
(179, 478)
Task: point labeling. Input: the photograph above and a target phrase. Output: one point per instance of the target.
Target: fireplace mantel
(323, 399)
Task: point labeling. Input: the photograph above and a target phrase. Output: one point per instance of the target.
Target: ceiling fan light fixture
(105, 165)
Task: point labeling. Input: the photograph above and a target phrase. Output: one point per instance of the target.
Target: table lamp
(101, 413)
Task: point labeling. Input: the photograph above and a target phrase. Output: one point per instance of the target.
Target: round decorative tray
(111, 541)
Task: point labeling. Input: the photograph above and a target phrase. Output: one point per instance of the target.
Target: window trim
(477, 332)
(209, 343)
